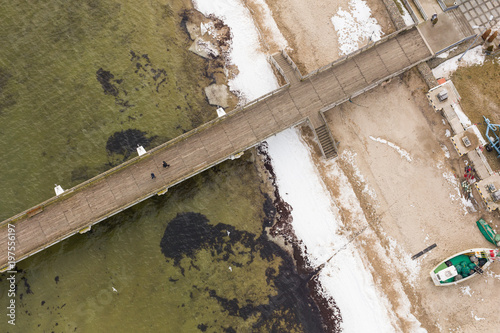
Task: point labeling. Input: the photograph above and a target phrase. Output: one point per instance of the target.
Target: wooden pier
(303, 98)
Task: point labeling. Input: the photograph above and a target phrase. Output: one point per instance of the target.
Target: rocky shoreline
(211, 40)
(281, 232)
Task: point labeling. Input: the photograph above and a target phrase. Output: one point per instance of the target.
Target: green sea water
(81, 83)
(222, 282)
(74, 75)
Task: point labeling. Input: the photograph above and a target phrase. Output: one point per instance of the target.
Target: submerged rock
(218, 94)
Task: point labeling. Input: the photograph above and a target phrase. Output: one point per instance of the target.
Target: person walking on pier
(165, 164)
(153, 176)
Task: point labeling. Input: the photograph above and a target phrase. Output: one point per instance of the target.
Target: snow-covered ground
(255, 76)
(316, 219)
(355, 26)
(406, 15)
(316, 222)
(474, 56)
(401, 151)
(270, 25)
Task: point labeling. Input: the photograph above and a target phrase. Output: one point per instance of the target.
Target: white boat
(463, 266)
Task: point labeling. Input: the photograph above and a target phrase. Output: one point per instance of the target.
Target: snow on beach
(316, 221)
(255, 76)
(402, 152)
(305, 193)
(456, 192)
(406, 15)
(346, 278)
(270, 25)
(348, 202)
(355, 25)
(349, 157)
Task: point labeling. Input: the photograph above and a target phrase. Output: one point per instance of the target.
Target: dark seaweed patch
(104, 78)
(330, 312)
(283, 225)
(269, 211)
(126, 142)
(155, 77)
(26, 284)
(150, 77)
(229, 305)
(189, 232)
(185, 234)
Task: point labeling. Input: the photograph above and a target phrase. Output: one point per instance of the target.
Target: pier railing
(358, 51)
(69, 192)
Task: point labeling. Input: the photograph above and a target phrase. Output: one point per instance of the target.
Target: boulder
(204, 49)
(193, 30)
(218, 94)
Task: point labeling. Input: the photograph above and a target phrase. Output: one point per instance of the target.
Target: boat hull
(488, 232)
(446, 272)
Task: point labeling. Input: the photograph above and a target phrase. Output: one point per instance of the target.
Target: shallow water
(74, 75)
(81, 84)
(174, 266)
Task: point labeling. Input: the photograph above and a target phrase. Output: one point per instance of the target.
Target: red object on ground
(441, 80)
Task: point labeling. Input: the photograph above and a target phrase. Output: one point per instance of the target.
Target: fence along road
(301, 99)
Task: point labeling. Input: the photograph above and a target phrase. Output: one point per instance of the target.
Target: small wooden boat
(463, 266)
(488, 232)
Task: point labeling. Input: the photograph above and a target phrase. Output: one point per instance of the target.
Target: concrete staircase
(326, 142)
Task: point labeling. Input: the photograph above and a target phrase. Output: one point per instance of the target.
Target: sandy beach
(307, 26)
(394, 152)
(392, 192)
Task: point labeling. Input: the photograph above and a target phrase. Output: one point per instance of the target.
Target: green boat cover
(487, 231)
(463, 265)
